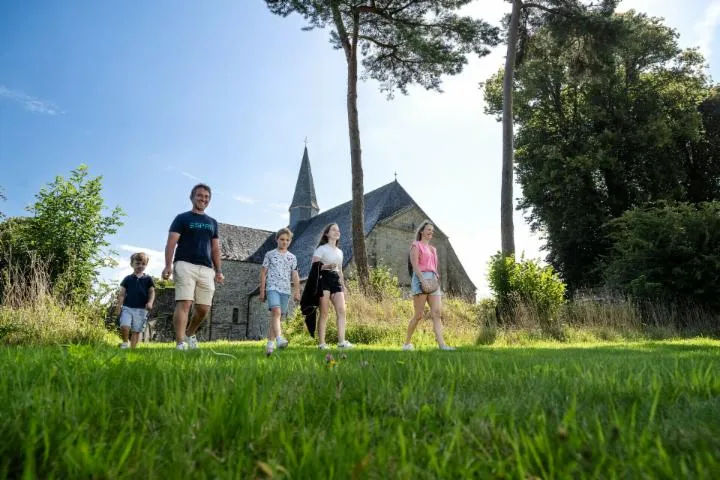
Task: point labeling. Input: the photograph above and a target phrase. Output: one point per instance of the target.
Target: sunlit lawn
(641, 410)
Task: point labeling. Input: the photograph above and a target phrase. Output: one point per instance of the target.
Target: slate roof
(239, 243)
(380, 204)
(305, 187)
(251, 245)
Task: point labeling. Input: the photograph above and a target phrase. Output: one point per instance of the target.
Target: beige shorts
(194, 282)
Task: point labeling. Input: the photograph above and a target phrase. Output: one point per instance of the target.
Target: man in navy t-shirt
(196, 262)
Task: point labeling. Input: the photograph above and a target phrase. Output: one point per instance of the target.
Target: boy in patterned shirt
(278, 269)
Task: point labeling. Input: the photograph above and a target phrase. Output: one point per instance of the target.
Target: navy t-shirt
(137, 290)
(196, 233)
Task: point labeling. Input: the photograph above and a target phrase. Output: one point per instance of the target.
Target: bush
(31, 315)
(667, 253)
(525, 285)
(383, 283)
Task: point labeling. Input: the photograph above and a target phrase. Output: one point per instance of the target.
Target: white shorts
(194, 282)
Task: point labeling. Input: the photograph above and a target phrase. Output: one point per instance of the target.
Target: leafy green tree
(68, 231)
(602, 130)
(3, 198)
(400, 42)
(667, 253)
(526, 18)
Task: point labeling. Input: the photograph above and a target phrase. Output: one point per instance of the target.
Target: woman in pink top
(424, 261)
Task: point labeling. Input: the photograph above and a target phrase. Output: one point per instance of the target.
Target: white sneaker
(345, 344)
(281, 342)
(323, 346)
(193, 342)
(269, 348)
(408, 346)
(182, 346)
(124, 345)
(447, 348)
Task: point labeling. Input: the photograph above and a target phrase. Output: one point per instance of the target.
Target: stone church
(391, 218)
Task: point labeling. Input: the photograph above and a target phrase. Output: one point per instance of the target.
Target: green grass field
(638, 410)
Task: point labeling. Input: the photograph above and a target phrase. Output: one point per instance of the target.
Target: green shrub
(667, 253)
(383, 283)
(526, 285)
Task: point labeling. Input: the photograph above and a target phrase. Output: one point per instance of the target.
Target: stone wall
(230, 305)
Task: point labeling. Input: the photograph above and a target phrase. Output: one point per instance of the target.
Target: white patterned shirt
(279, 270)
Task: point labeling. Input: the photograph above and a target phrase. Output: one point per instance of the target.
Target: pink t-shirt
(427, 258)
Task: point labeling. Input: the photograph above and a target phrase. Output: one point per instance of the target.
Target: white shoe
(408, 346)
(124, 345)
(447, 348)
(345, 344)
(193, 342)
(281, 342)
(182, 346)
(323, 346)
(269, 348)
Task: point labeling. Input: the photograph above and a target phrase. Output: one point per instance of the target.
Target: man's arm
(120, 300)
(215, 252)
(172, 241)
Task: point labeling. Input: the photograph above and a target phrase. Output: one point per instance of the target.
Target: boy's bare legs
(275, 330)
(338, 301)
(419, 307)
(322, 321)
(134, 338)
(199, 315)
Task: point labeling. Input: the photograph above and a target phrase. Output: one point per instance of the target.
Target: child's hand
(297, 296)
(262, 296)
(148, 306)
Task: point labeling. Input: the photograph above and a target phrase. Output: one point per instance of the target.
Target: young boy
(135, 299)
(278, 268)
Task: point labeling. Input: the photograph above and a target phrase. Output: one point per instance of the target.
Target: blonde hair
(284, 231)
(139, 256)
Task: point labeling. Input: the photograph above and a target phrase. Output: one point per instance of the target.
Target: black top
(196, 233)
(137, 290)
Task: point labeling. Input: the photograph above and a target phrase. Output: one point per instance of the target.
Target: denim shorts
(278, 299)
(415, 284)
(134, 318)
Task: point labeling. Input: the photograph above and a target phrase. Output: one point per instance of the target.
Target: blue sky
(155, 96)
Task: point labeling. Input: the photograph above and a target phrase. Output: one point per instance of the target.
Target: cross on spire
(396, 176)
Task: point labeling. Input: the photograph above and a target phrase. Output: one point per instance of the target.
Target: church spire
(304, 204)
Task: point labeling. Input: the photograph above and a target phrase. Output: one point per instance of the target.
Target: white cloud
(243, 199)
(279, 206)
(285, 216)
(31, 104)
(706, 29)
(190, 175)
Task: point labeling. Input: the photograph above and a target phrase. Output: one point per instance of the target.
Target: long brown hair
(324, 236)
(421, 228)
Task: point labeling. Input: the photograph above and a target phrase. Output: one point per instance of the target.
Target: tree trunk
(349, 43)
(507, 229)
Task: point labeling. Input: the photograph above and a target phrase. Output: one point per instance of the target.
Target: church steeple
(304, 204)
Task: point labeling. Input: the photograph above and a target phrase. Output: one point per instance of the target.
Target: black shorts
(330, 281)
